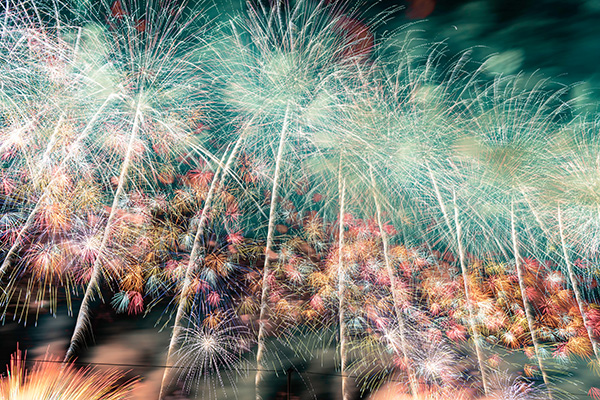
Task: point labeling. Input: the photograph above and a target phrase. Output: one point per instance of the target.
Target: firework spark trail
(438, 196)
(450, 231)
(292, 55)
(290, 68)
(506, 387)
(526, 304)
(46, 156)
(15, 134)
(300, 87)
(342, 284)
(510, 164)
(393, 289)
(49, 380)
(6, 14)
(267, 265)
(463, 267)
(457, 236)
(578, 193)
(574, 284)
(577, 178)
(33, 101)
(222, 170)
(507, 166)
(6, 263)
(208, 351)
(84, 311)
(97, 73)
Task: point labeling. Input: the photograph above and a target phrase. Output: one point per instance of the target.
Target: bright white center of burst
(90, 244)
(208, 343)
(15, 137)
(431, 368)
(554, 278)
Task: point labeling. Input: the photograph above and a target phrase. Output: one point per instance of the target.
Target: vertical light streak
(464, 272)
(93, 284)
(31, 217)
(267, 266)
(222, 170)
(575, 286)
(414, 388)
(526, 304)
(49, 147)
(342, 284)
(463, 268)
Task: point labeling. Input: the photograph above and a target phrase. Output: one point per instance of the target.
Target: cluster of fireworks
(283, 175)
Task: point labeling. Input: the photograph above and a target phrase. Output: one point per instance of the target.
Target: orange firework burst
(49, 379)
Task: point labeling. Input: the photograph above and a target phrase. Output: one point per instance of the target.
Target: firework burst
(285, 173)
(210, 354)
(48, 379)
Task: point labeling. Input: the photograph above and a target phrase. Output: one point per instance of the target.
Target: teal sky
(559, 40)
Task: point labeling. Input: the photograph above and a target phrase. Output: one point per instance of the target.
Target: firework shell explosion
(281, 179)
(50, 380)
